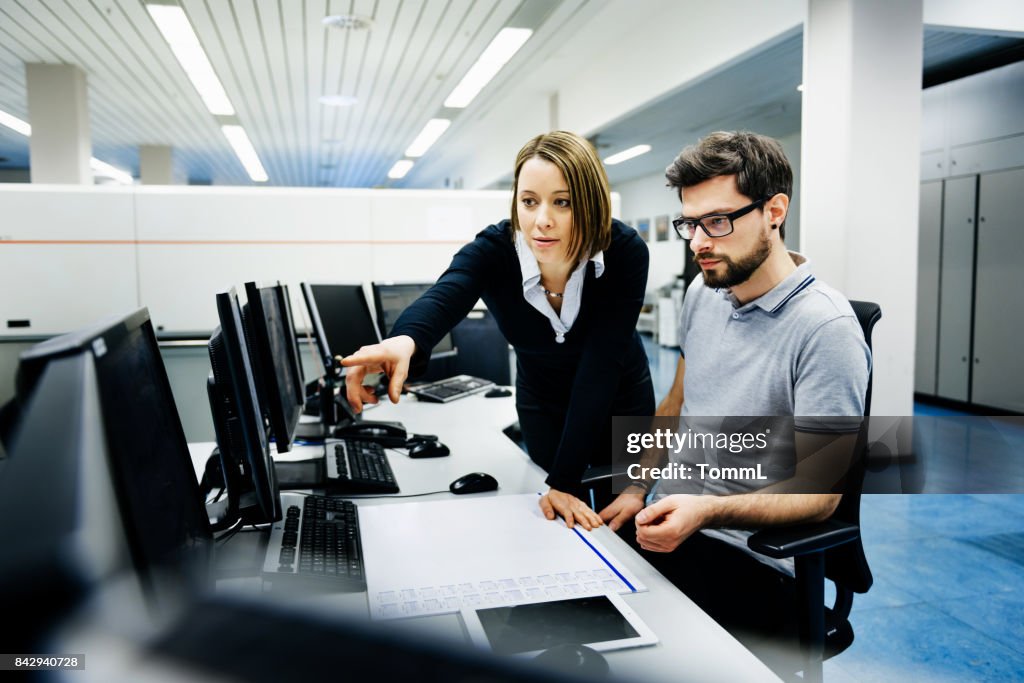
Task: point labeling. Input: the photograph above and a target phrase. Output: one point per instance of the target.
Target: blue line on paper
(605, 560)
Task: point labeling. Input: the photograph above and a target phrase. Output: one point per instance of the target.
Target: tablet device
(602, 622)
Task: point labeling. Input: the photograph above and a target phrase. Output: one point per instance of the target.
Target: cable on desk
(232, 530)
(238, 527)
(366, 497)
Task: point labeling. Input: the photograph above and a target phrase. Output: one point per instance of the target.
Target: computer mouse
(474, 482)
(574, 658)
(429, 449)
(497, 392)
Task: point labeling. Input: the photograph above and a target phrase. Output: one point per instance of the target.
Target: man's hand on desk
(570, 508)
(623, 509)
(661, 527)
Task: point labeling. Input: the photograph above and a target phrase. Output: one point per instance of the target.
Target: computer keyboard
(358, 467)
(452, 388)
(315, 545)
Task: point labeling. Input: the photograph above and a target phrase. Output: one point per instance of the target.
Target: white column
(860, 163)
(58, 110)
(156, 165)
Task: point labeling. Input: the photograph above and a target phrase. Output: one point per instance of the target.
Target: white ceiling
(276, 59)
(756, 92)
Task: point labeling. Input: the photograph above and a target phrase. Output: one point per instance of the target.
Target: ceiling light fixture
(338, 100)
(245, 152)
(15, 124)
(400, 168)
(100, 167)
(434, 129)
(179, 34)
(354, 22)
(176, 29)
(496, 55)
(626, 154)
(104, 169)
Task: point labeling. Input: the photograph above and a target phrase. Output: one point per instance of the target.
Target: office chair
(828, 550)
(483, 349)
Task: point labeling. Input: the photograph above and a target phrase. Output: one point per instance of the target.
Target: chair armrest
(790, 541)
(592, 475)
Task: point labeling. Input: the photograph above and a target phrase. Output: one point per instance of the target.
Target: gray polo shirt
(796, 350)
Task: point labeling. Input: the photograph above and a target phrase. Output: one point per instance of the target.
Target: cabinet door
(956, 284)
(929, 238)
(998, 321)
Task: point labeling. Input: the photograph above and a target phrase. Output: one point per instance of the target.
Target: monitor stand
(339, 422)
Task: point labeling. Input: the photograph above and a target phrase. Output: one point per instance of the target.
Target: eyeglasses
(713, 224)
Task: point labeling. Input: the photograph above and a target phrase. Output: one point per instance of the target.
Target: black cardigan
(579, 376)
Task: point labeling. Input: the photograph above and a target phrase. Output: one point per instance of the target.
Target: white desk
(692, 645)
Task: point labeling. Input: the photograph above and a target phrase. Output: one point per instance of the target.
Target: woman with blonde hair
(565, 283)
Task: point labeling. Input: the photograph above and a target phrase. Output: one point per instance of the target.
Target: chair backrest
(868, 313)
(483, 350)
(846, 565)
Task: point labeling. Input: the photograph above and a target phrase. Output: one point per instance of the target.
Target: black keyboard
(451, 389)
(316, 544)
(358, 467)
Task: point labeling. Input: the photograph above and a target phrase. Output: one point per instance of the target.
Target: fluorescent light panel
(19, 126)
(15, 124)
(400, 168)
(178, 33)
(627, 154)
(338, 100)
(496, 55)
(103, 168)
(434, 129)
(245, 152)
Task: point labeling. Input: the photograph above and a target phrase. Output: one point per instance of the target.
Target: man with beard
(759, 336)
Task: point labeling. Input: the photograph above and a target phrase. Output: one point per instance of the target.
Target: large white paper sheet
(437, 557)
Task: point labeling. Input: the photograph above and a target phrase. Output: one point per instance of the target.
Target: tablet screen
(539, 626)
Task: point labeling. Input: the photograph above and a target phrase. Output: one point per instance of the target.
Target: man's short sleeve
(832, 376)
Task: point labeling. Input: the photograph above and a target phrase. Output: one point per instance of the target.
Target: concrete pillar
(156, 167)
(860, 163)
(58, 110)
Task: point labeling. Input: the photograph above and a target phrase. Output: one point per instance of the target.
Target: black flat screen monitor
(146, 456)
(272, 355)
(323, 349)
(392, 298)
(296, 364)
(344, 316)
(253, 495)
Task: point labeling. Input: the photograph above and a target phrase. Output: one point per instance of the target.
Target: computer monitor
(392, 298)
(253, 495)
(296, 364)
(344, 316)
(272, 354)
(100, 477)
(320, 337)
(334, 409)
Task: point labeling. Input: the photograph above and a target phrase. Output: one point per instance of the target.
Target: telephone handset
(389, 434)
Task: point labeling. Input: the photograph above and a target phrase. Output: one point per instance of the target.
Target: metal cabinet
(956, 284)
(970, 284)
(998, 371)
(929, 242)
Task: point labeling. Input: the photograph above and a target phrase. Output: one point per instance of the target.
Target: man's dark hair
(757, 161)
